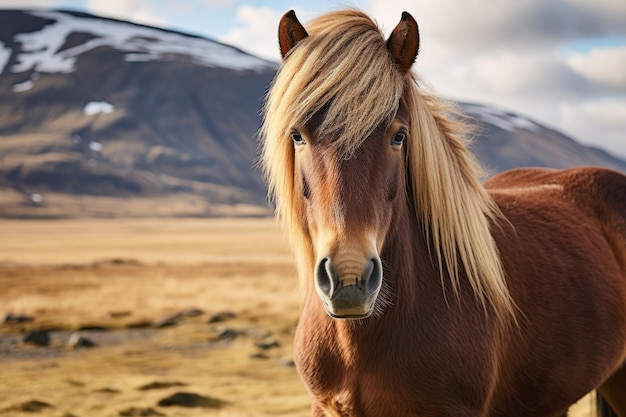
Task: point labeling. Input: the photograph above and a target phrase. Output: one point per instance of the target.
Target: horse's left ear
(290, 32)
(404, 42)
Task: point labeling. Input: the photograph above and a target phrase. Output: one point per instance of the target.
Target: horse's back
(563, 247)
(598, 192)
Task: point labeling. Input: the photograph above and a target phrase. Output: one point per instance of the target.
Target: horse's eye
(297, 138)
(398, 138)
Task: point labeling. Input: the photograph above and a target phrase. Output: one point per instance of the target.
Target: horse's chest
(359, 398)
(351, 388)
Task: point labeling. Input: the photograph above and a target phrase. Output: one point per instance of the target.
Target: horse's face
(348, 204)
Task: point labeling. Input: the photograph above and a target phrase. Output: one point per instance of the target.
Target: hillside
(104, 118)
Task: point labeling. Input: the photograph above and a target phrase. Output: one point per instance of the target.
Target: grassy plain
(114, 280)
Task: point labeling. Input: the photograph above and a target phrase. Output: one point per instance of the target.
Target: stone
(189, 399)
(76, 341)
(228, 334)
(222, 316)
(161, 385)
(140, 412)
(269, 343)
(37, 338)
(32, 406)
(169, 321)
(18, 318)
(193, 312)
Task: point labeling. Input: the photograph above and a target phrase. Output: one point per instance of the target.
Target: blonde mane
(345, 67)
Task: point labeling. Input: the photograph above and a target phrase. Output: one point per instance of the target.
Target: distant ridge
(101, 117)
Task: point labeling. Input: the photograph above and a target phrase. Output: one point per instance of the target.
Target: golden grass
(125, 273)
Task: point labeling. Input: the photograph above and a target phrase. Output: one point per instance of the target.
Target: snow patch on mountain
(98, 107)
(5, 55)
(23, 86)
(500, 118)
(42, 50)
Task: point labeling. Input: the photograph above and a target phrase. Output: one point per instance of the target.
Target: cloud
(607, 129)
(521, 56)
(502, 23)
(603, 65)
(516, 55)
(255, 31)
(219, 3)
(138, 11)
(21, 4)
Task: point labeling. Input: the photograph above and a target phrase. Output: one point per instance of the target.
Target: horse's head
(349, 163)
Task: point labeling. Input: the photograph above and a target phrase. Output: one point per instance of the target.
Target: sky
(559, 62)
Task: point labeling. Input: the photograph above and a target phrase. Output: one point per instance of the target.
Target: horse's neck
(409, 271)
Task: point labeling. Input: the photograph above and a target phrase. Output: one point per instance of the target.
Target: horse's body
(507, 299)
(425, 358)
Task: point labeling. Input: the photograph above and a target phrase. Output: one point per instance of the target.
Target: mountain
(507, 140)
(100, 117)
(107, 118)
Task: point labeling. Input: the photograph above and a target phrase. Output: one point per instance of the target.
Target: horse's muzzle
(348, 295)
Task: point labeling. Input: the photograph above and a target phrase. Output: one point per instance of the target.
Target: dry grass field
(114, 282)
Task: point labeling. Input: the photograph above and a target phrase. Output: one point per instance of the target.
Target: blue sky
(560, 62)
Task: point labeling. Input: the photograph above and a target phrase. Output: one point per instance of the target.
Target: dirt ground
(194, 306)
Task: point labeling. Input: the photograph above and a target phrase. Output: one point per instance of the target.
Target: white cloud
(220, 3)
(602, 65)
(255, 31)
(517, 55)
(27, 4)
(601, 123)
(138, 11)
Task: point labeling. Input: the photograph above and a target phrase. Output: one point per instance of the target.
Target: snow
(5, 55)
(500, 118)
(41, 49)
(98, 107)
(23, 86)
(95, 146)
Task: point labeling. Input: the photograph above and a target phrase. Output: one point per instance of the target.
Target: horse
(426, 290)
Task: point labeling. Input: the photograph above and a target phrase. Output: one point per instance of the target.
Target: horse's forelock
(343, 67)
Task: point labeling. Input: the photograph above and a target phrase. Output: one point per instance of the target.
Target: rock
(228, 334)
(107, 390)
(94, 328)
(140, 324)
(32, 406)
(258, 355)
(289, 363)
(222, 316)
(140, 412)
(268, 344)
(169, 321)
(17, 318)
(188, 399)
(119, 314)
(160, 385)
(37, 338)
(174, 319)
(193, 312)
(76, 341)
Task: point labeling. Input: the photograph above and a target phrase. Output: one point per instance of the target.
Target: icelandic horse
(425, 291)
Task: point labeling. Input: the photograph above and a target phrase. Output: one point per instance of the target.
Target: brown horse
(500, 299)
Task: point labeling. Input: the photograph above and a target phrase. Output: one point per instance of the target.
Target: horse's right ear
(404, 42)
(290, 32)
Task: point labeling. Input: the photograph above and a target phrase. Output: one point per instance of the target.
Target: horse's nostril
(375, 277)
(324, 280)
